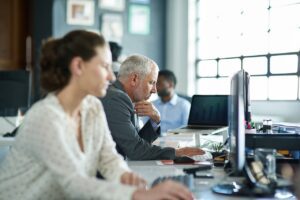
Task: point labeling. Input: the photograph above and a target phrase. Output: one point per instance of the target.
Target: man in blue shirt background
(174, 110)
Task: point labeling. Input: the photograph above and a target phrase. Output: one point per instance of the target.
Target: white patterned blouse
(46, 161)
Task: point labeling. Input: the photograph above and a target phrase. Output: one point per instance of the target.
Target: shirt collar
(119, 85)
(173, 100)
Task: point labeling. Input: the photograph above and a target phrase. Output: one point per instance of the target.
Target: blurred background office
(202, 41)
(116, 51)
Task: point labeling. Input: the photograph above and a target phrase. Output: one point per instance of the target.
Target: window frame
(242, 57)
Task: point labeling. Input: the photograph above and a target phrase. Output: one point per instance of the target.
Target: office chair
(185, 97)
(15, 91)
(15, 94)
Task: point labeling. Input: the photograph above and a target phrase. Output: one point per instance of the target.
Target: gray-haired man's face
(146, 86)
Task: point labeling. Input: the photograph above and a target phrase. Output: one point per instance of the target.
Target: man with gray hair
(125, 101)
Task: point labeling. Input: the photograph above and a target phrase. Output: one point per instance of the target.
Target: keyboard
(205, 157)
(187, 180)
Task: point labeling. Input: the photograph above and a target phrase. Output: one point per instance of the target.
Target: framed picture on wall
(139, 19)
(80, 12)
(140, 1)
(112, 27)
(116, 5)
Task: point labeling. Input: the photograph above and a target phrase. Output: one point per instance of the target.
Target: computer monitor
(247, 104)
(238, 112)
(15, 87)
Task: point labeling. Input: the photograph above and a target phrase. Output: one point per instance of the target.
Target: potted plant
(218, 150)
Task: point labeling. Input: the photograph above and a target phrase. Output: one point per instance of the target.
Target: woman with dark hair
(64, 139)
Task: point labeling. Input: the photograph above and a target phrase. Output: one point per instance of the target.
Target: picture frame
(140, 1)
(112, 27)
(80, 12)
(115, 5)
(139, 19)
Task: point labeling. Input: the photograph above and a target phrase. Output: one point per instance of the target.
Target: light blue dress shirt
(174, 113)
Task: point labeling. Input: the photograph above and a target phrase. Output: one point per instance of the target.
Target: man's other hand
(189, 151)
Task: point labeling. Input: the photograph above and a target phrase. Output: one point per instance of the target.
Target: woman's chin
(102, 93)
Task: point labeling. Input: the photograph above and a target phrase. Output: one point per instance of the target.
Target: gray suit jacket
(131, 142)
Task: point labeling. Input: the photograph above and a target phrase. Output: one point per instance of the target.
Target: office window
(260, 36)
(299, 86)
(254, 30)
(284, 26)
(229, 66)
(256, 65)
(259, 88)
(208, 68)
(284, 64)
(214, 85)
(283, 86)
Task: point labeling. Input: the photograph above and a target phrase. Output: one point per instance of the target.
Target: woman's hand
(129, 178)
(168, 190)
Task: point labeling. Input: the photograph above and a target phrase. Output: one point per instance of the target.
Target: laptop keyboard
(187, 180)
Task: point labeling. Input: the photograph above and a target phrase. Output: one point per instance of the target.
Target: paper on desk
(287, 124)
(285, 127)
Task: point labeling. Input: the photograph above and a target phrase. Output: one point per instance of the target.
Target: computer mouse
(184, 159)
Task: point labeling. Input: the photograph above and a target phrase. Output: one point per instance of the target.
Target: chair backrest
(15, 91)
(185, 97)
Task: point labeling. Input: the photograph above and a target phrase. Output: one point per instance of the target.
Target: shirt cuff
(155, 125)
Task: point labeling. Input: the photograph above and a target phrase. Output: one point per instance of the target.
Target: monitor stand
(244, 186)
(240, 189)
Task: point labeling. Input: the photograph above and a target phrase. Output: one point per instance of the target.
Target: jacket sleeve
(110, 164)
(148, 133)
(118, 108)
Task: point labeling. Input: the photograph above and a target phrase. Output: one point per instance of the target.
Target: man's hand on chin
(145, 108)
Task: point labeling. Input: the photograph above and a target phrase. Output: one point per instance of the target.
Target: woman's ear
(76, 66)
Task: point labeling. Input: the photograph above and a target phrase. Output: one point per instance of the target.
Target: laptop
(208, 112)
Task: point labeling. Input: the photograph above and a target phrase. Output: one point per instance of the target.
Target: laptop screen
(209, 110)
